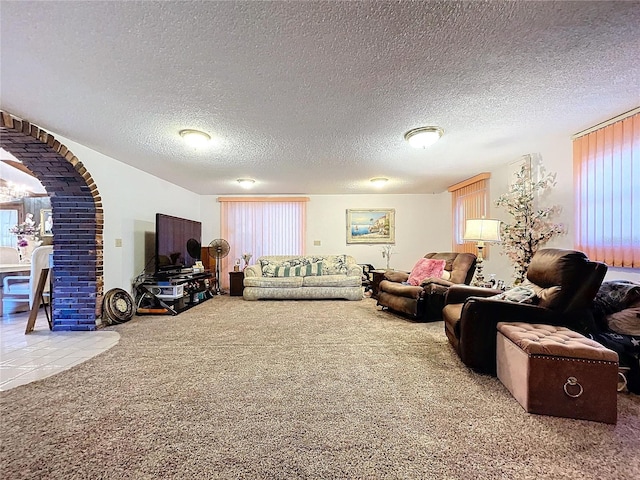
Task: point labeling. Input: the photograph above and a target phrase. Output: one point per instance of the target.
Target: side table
(377, 277)
(236, 284)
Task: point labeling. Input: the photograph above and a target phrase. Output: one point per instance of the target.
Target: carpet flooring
(294, 389)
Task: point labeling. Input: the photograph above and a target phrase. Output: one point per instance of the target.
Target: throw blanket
(616, 310)
(616, 295)
(628, 350)
(425, 268)
(615, 307)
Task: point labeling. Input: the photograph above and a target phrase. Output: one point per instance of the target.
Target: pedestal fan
(218, 249)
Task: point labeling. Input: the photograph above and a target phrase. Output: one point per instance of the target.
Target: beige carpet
(285, 389)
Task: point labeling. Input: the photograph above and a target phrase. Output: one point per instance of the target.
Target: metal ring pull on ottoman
(556, 371)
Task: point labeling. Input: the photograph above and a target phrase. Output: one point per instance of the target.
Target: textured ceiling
(314, 97)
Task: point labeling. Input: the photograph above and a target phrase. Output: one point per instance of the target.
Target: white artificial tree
(531, 226)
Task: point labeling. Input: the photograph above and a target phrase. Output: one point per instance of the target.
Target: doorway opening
(77, 214)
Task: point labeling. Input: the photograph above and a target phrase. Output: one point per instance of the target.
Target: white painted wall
(131, 198)
(210, 208)
(557, 157)
(423, 224)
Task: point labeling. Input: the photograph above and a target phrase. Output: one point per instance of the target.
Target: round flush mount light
(195, 138)
(423, 137)
(246, 182)
(379, 181)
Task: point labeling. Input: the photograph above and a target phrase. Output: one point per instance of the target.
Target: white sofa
(303, 277)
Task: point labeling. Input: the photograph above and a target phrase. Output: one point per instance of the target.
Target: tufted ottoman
(556, 371)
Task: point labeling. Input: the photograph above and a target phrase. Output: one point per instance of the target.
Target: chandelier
(12, 191)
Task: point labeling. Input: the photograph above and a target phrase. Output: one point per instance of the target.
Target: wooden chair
(19, 292)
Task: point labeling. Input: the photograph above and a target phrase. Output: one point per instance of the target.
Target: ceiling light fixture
(423, 137)
(379, 181)
(12, 191)
(246, 182)
(195, 138)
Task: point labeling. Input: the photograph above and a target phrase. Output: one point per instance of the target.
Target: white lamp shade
(482, 230)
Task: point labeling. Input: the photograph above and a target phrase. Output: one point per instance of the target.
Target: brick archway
(77, 218)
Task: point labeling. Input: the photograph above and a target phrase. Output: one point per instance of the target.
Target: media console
(173, 293)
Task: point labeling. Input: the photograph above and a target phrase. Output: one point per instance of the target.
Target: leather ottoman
(556, 371)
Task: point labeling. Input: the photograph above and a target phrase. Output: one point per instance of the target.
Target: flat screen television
(178, 243)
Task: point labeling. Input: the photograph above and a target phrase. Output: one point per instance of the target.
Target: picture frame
(371, 226)
(46, 222)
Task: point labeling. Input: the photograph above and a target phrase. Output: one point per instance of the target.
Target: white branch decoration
(530, 228)
(386, 253)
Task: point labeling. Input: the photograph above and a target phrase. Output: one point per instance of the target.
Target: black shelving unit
(173, 294)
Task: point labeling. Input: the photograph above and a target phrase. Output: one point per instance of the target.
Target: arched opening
(77, 281)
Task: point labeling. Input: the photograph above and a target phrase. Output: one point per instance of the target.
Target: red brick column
(77, 221)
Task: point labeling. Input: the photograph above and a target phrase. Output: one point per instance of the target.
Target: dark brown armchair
(565, 283)
(425, 301)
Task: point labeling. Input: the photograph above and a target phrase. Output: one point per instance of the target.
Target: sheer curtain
(469, 199)
(261, 226)
(606, 174)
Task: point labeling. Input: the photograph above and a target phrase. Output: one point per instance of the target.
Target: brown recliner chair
(425, 301)
(565, 283)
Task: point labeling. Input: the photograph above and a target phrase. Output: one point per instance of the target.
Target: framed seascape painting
(377, 225)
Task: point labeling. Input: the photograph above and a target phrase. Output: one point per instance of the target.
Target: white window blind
(469, 200)
(261, 226)
(606, 174)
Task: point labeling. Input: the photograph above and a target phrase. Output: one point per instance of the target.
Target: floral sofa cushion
(316, 277)
(330, 265)
(269, 265)
(307, 270)
(333, 264)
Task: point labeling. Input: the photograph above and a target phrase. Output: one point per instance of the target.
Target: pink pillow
(425, 268)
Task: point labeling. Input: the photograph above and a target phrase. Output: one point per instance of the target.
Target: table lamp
(481, 230)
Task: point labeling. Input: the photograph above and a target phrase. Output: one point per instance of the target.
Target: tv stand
(172, 294)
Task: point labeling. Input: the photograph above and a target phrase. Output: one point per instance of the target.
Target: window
(606, 166)
(9, 217)
(470, 199)
(262, 226)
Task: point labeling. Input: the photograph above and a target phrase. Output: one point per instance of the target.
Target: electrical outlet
(118, 242)
(316, 243)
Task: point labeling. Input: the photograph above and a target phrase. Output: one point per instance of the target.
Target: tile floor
(42, 353)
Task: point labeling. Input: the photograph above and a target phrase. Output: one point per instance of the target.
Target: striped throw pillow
(311, 269)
